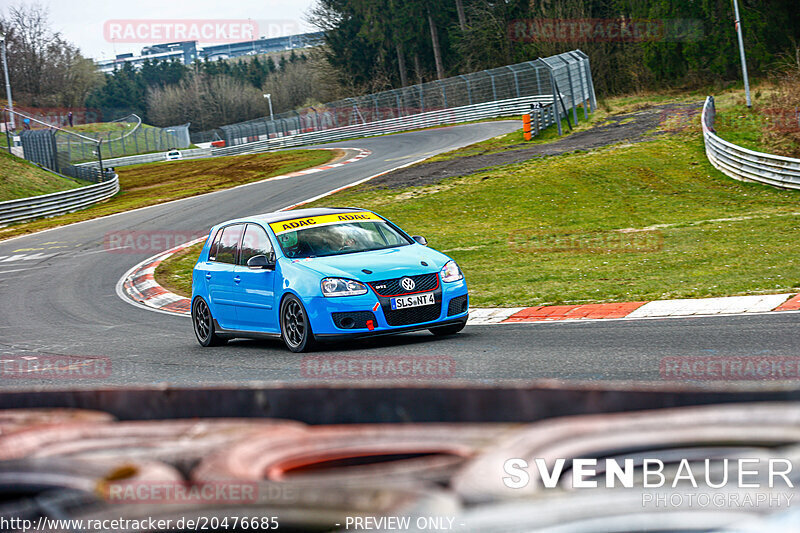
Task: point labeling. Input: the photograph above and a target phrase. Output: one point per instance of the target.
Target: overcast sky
(82, 21)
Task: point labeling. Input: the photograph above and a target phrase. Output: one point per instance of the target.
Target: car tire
(448, 330)
(295, 326)
(203, 324)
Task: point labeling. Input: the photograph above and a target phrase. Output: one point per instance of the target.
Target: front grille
(457, 305)
(353, 319)
(392, 287)
(413, 315)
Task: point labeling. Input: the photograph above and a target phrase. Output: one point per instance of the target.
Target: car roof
(280, 216)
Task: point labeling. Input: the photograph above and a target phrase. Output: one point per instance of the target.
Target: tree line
(207, 93)
(381, 44)
(372, 45)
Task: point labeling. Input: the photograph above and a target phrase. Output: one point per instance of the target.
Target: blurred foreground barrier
(381, 403)
(317, 478)
(340, 455)
(178, 442)
(17, 419)
(30, 488)
(694, 433)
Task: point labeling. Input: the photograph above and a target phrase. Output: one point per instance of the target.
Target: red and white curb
(730, 305)
(138, 286)
(362, 153)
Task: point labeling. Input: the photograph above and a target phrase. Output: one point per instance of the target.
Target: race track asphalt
(57, 297)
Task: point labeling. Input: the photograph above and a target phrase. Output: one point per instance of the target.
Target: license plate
(415, 300)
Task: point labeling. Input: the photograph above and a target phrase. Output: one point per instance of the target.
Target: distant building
(261, 46)
(187, 48)
(187, 52)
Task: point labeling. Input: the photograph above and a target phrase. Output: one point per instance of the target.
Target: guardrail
(194, 153)
(57, 203)
(548, 114)
(743, 164)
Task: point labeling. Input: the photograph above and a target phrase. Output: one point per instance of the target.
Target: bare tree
(205, 101)
(44, 69)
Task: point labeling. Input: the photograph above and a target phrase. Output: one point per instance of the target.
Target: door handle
(237, 279)
(208, 275)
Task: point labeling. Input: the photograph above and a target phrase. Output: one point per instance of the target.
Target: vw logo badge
(408, 284)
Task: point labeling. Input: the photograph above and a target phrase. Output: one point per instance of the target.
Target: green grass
(667, 181)
(742, 126)
(155, 183)
(516, 139)
(758, 127)
(95, 127)
(20, 179)
(175, 274)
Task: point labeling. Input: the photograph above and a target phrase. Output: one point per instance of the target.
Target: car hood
(384, 264)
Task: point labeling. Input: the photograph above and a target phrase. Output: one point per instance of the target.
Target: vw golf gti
(312, 275)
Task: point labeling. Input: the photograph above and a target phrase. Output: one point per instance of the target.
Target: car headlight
(342, 287)
(450, 272)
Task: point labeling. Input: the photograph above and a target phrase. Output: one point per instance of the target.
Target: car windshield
(342, 238)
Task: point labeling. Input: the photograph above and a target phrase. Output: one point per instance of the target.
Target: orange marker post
(526, 126)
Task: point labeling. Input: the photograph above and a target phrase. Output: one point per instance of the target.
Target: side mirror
(262, 261)
(420, 239)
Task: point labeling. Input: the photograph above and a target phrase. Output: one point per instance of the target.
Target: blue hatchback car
(310, 275)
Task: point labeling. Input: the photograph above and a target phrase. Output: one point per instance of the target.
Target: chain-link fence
(131, 138)
(560, 83)
(39, 143)
(67, 152)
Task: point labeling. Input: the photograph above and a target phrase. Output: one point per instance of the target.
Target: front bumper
(321, 311)
(358, 334)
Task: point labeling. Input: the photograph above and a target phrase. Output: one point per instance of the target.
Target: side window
(212, 252)
(229, 244)
(256, 242)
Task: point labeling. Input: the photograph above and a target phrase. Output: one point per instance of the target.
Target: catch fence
(553, 88)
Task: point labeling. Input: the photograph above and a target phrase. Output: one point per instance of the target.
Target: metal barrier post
(556, 116)
(494, 87)
(571, 91)
(585, 97)
(469, 89)
(100, 159)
